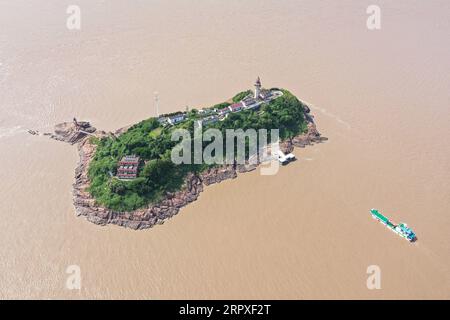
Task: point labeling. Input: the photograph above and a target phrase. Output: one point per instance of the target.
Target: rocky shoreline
(85, 204)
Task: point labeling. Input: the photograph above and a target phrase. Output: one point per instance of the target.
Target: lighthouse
(257, 88)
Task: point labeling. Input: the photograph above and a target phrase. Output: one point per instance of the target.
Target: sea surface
(381, 97)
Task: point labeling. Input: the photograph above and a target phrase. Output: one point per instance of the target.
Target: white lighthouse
(257, 88)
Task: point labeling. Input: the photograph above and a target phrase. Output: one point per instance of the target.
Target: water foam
(329, 114)
(11, 131)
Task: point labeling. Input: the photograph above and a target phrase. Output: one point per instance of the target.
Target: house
(250, 103)
(223, 111)
(162, 120)
(173, 120)
(236, 107)
(265, 94)
(127, 168)
(205, 111)
(208, 120)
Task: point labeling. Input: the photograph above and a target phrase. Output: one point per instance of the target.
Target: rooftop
(236, 106)
(130, 159)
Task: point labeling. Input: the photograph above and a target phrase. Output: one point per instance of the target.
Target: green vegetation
(152, 143)
(159, 175)
(241, 95)
(155, 132)
(221, 105)
(285, 113)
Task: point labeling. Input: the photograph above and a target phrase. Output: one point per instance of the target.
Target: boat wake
(330, 115)
(10, 132)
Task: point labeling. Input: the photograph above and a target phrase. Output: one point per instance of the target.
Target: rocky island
(109, 189)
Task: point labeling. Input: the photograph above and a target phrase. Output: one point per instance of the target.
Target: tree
(152, 142)
(158, 173)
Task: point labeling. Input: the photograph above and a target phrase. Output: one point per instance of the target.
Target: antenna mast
(156, 103)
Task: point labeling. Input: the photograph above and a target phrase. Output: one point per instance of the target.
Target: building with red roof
(128, 168)
(236, 107)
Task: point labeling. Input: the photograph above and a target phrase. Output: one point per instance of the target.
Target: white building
(176, 119)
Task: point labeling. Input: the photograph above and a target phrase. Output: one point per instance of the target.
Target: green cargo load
(379, 216)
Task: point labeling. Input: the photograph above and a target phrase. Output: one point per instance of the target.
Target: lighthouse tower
(257, 88)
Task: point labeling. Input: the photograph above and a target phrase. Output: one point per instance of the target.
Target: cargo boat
(400, 229)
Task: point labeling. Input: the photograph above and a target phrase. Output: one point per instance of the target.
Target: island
(127, 177)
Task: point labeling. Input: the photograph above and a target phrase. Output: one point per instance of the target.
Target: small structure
(250, 103)
(266, 94)
(223, 111)
(128, 167)
(176, 119)
(283, 158)
(163, 120)
(205, 111)
(208, 120)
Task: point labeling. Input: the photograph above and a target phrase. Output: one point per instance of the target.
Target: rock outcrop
(309, 138)
(144, 218)
(71, 132)
(218, 174)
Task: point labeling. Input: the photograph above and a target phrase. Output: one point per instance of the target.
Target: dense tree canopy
(152, 143)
